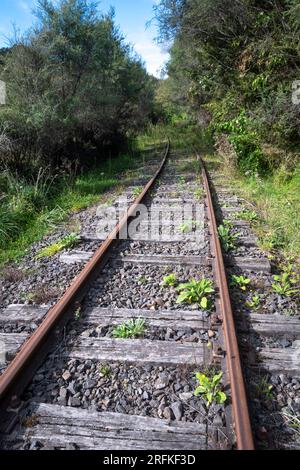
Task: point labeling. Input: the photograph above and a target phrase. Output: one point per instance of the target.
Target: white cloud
(150, 52)
(24, 6)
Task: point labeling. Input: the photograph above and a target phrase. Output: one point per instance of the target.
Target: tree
(74, 86)
(236, 58)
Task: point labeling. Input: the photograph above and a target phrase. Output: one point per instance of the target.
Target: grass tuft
(278, 202)
(69, 241)
(31, 209)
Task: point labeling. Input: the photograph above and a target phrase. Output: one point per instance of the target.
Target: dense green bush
(244, 140)
(237, 59)
(74, 88)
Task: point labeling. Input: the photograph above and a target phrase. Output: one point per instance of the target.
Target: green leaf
(182, 287)
(182, 297)
(198, 376)
(221, 397)
(199, 390)
(204, 302)
(209, 290)
(209, 397)
(216, 379)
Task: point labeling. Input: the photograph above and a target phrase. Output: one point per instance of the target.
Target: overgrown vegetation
(104, 370)
(284, 285)
(170, 280)
(292, 419)
(240, 281)
(132, 328)
(227, 237)
(264, 389)
(188, 226)
(74, 89)
(198, 292)
(210, 389)
(77, 95)
(277, 197)
(234, 67)
(254, 303)
(27, 219)
(69, 241)
(237, 61)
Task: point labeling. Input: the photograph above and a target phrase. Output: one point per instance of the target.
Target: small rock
(296, 344)
(120, 409)
(35, 445)
(73, 401)
(218, 420)
(167, 413)
(146, 395)
(66, 375)
(211, 334)
(106, 402)
(296, 403)
(90, 383)
(275, 380)
(71, 388)
(61, 401)
(177, 409)
(179, 335)
(283, 379)
(71, 446)
(85, 334)
(285, 343)
(39, 377)
(169, 333)
(160, 302)
(177, 387)
(63, 392)
(262, 433)
(162, 382)
(185, 396)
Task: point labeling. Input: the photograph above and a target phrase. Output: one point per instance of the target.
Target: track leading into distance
(74, 385)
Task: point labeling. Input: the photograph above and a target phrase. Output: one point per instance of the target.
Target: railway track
(267, 322)
(75, 385)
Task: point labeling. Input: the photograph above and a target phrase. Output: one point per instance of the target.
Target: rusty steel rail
(22, 368)
(241, 417)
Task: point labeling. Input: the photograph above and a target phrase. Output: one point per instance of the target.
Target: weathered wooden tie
(69, 428)
(138, 351)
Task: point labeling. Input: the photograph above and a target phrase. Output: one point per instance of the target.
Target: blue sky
(131, 16)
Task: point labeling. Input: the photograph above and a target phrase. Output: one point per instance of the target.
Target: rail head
(241, 414)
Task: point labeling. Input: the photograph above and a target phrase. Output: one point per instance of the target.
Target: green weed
(254, 302)
(285, 285)
(137, 191)
(240, 281)
(196, 292)
(170, 280)
(227, 238)
(198, 194)
(130, 329)
(264, 389)
(104, 370)
(210, 389)
(69, 241)
(189, 226)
